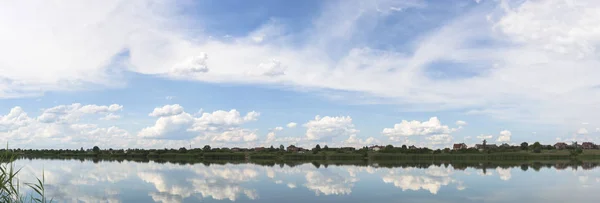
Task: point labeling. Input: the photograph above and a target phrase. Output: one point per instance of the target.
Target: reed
(10, 186)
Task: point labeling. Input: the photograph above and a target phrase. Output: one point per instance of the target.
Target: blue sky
(346, 72)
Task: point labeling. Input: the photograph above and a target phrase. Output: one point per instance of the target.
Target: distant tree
(281, 148)
(389, 147)
(317, 148)
(271, 148)
(325, 148)
(537, 147)
(404, 146)
(183, 150)
(206, 148)
(82, 149)
(96, 149)
(524, 146)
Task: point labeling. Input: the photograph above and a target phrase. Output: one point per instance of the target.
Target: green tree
(404, 147)
(206, 148)
(524, 146)
(183, 150)
(281, 148)
(96, 149)
(537, 147)
(325, 148)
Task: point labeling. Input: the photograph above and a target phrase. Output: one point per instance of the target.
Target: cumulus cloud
(218, 126)
(354, 141)
(326, 128)
(167, 110)
(279, 128)
(417, 128)
(61, 126)
(504, 136)
(291, 125)
(440, 139)
(582, 131)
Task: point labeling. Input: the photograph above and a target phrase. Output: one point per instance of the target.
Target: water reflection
(149, 181)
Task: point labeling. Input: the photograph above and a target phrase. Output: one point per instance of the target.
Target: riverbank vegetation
(293, 153)
(11, 187)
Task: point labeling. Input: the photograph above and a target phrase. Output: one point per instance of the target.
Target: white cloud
(413, 128)
(440, 139)
(518, 82)
(467, 138)
(279, 128)
(110, 117)
(61, 127)
(270, 69)
(167, 110)
(195, 64)
(73, 112)
(485, 137)
(585, 123)
(291, 125)
(353, 141)
(504, 136)
(461, 123)
(597, 129)
(170, 97)
(218, 126)
(327, 128)
(582, 131)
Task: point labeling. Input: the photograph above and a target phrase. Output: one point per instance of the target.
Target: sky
(170, 74)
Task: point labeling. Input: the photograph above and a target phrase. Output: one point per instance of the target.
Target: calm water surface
(77, 181)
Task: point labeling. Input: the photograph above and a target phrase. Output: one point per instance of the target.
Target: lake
(128, 181)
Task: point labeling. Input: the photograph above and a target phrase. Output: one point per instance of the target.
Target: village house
(459, 146)
(560, 145)
(412, 147)
(258, 149)
(292, 148)
(588, 145)
(376, 148)
(235, 149)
